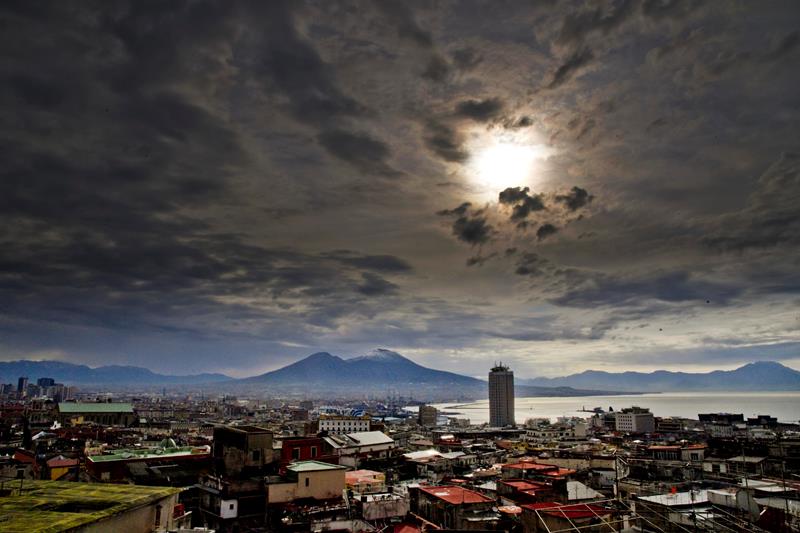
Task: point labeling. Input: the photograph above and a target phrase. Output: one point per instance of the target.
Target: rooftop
(572, 511)
(313, 466)
(148, 453)
(53, 506)
(530, 465)
(678, 499)
(456, 495)
(94, 407)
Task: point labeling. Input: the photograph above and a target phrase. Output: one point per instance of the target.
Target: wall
(139, 520)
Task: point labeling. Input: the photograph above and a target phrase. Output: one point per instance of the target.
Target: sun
(500, 163)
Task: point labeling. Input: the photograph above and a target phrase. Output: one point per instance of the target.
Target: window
(313, 451)
(295, 453)
(307, 481)
(158, 515)
(256, 455)
(230, 506)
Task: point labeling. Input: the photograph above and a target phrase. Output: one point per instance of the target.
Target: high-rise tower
(501, 396)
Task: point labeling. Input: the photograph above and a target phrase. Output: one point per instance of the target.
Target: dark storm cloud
(471, 228)
(460, 210)
(573, 64)
(379, 263)
(772, 217)
(674, 287)
(546, 230)
(401, 14)
(205, 178)
(602, 19)
(523, 203)
(466, 58)
(531, 264)
(289, 63)
(480, 110)
(575, 198)
(375, 285)
(785, 46)
(292, 65)
(669, 9)
(437, 69)
(512, 195)
(444, 142)
(479, 260)
(358, 149)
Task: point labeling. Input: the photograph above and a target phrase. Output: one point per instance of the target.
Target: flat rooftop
(148, 453)
(94, 407)
(313, 466)
(53, 506)
(456, 495)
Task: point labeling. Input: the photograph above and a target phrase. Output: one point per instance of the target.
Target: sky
(194, 186)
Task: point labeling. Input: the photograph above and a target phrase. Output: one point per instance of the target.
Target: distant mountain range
(760, 376)
(383, 371)
(71, 374)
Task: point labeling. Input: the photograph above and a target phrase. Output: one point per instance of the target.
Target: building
(353, 448)
(124, 464)
(45, 382)
(427, 415)
(452, 507)
(544, 517)
(305, 449)
(242, 449)
(105, 413)
(92, 507)
(501, 396)
(635, 420)
(22, 386)
(308, 479)
(365, 481)
(335, 425)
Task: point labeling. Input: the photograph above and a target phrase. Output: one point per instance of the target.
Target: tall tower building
(501, 396)
(22, 387)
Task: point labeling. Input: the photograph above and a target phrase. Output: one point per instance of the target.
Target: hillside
(759, 376)
(108, 376)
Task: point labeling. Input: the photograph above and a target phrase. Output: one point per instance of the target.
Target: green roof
(147, 453)
(90, 407)
(54, 506)
(313, 466)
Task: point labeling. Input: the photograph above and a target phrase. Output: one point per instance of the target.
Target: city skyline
(228, 187)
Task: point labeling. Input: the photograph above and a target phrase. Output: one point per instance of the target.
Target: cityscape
(400, 266)
(168, 460)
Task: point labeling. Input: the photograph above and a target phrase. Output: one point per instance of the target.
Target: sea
(785, 406)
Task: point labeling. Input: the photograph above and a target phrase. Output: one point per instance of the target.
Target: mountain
(379, 372)
(759, 376)
(380, 366)
(108, 376)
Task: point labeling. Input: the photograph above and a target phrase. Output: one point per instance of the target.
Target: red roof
(530, 465)
(24, 456)
(61, 462)
(575, 510)
(560, 472)
(406, 528)
(456, 495)
(521, 484)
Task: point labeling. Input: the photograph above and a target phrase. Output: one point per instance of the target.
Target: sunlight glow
(500, 164)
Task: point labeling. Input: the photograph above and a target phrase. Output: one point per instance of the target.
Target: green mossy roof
(39, 508)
